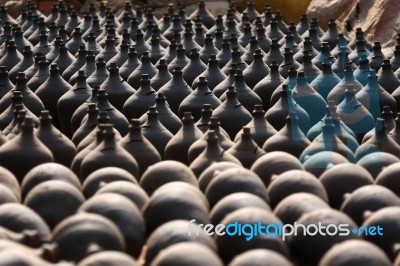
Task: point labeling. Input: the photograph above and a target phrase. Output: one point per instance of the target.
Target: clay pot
(160, 240)
(103, 235)
(324, 217)
(387, 177)
(145, 67)
(274, 163)
(130, 190)
(355, 252)
(195, 100)
(327, 141)
(52, 90)
(139, 102)
(387, 79)
(139, 147)
(258, 257)
(308, 98)
(354, 114)
(162, 76)
(337, 94)
(178, 147)
(122, 212)
(212, 153)
(70, 101)
(376, 57)
(30, 100)
(60, 146)
(130, 64)
(385, 218)
(19, 218)
(198, 146)
(289, 139)
(14, 150)
(22, 66)
(292, 207)
(170, 120)
(230, 108)
(374, 97)
(230, 246)
(375, 162)
(195, 67)
(47, 172)
(195, 254)
(366, 199)
(101, 177)
(108, 153)
(280, 110)
(291, 182)
(64, 59)
(116, 117)
(155, 131)
(86, 127)
(176, 90)
(325, 82)
(246, 149)
(117, 89)
(380, 141)
(153, 178)
(169, 204)
(54, 201)
(112, 258)
(340, 180)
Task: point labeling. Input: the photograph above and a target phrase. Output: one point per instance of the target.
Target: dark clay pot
(167, 205)
(355, 252)
(172, 233)
(140, 101)
(385, 218)
(342, 179)
(70, 101)
(294, 181)
(19, 218)
(154, 177)
(14, 151)
(195, 100)
(116, 88)
(289, 139)
(54, 201)
(60, 146)
(99, 178)
(194, 254)
(130, 190)
(233, 181)
(292, 207)
(299, 242)
(260, 257)
(103, 233)
(274, 163)
(233, 202)
(155, 131)
(232, 108)
(213, 152)
(47, 172)
(125, 215)
(140, 147)
(230, 246)
(108, 153)
(112, 258)
(246, 149)
(366, 199)
(178, 147)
